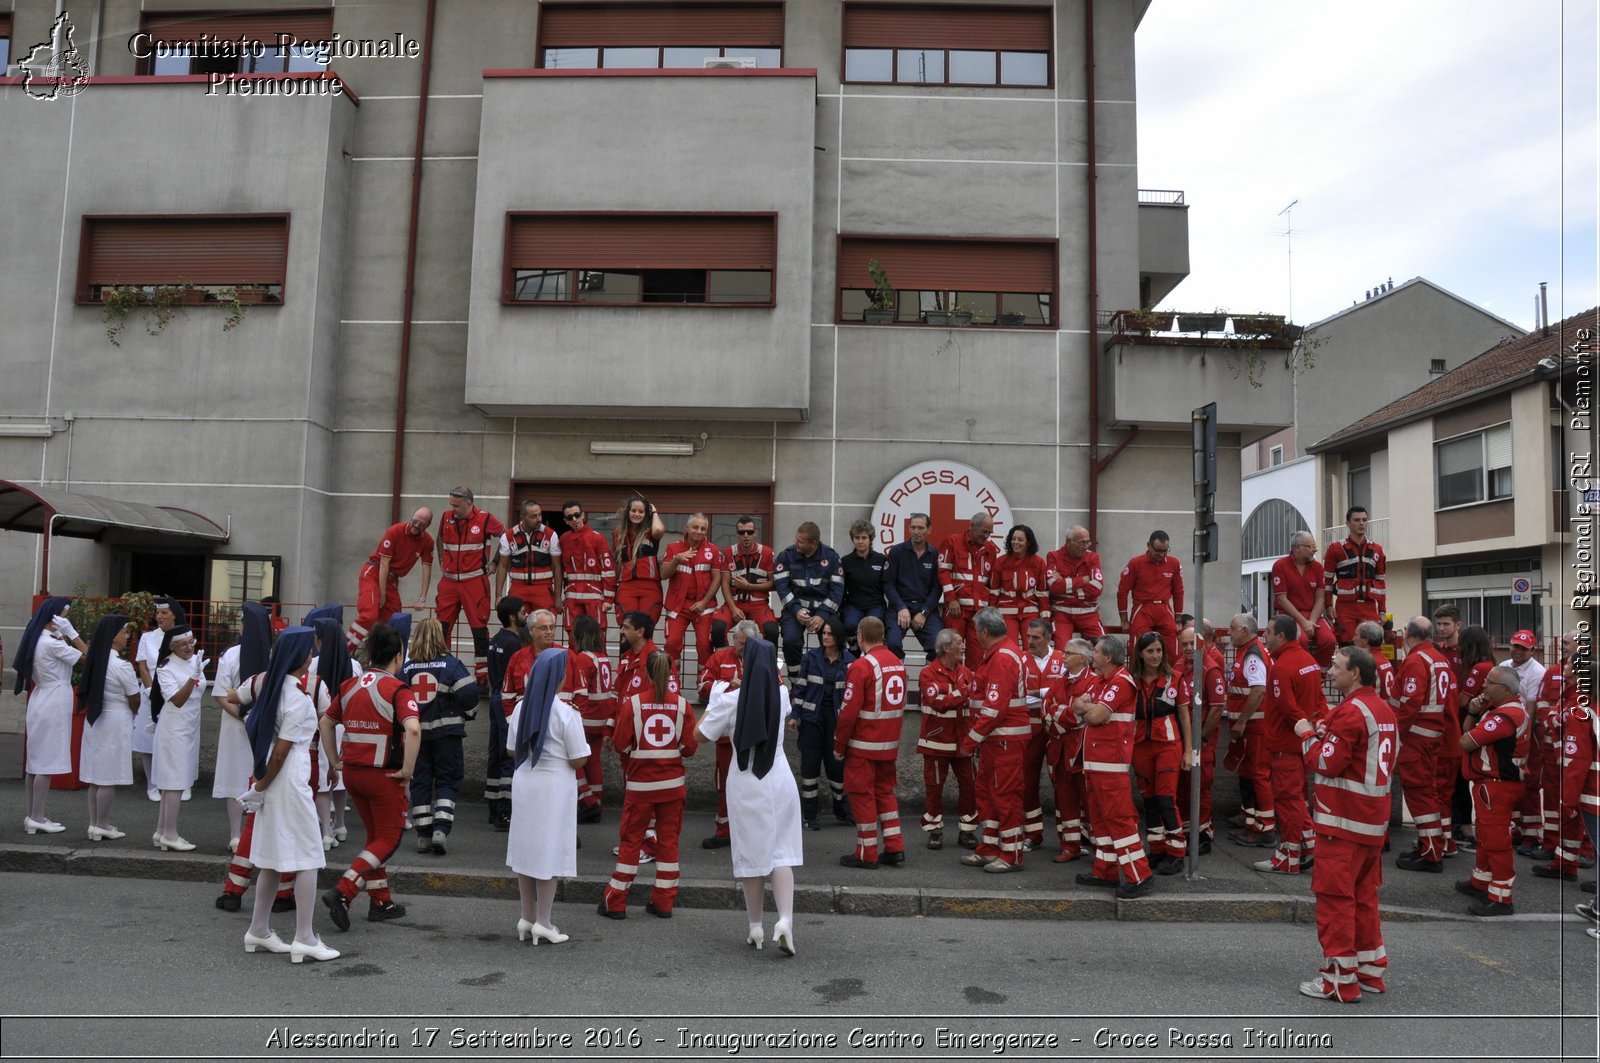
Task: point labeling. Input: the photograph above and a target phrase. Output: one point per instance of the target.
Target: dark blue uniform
(497, 780)
(913, 585)
(819, 696)
(447, 696)
(815, 583)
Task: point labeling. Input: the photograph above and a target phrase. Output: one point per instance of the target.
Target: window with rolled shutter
(722, 503)
(948, 44)
(239, 251)
(942, 280)
(658, 35)
(249, 42)
(641, 259)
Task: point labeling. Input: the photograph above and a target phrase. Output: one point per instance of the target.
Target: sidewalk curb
(886, 900)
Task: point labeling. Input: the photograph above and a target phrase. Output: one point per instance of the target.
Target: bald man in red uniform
(1150, 593)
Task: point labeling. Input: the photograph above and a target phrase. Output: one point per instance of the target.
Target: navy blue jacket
(447, 695)
(815, 583)
(820, 689)
(913, 582)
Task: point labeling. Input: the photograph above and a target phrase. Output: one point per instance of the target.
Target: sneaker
(998, 866)
(936, 839)
(229, 902)
(1591, 931)
(967, 839)
(1485, 908)
(1267, 867)
(378, 913)
(500, 824)
(1320, 988)
(153, 794)
(424, 845)
(1551, 871)
(1588, 911)
(1029, 845)
(187, 793)
(1127, 891)
(1254, 839)
(1467, 845)
(440, 843)
(644, 857)
(852, 860)
(1089, 878)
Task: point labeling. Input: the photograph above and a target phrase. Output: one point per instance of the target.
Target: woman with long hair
(286, 838)
(1017, 583)
(655, 732)
(1477, 661)
(763, 807)
(589, 681)
(49, 649)
(547, 742)
(1160, 748)
(634, 543)
(175, 699)
(109, 693)
(819, 698)
(446, 693)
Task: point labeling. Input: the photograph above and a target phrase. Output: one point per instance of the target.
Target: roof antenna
(1544, 308)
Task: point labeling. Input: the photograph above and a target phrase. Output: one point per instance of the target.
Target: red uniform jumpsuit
(1214, 689)
(1447, 766)
(1351, 768)
(1065, 755)
(1355, 574)
(1151, 594)
(1576, 758)
(964, 568)
(1426, 685)
(755, 566)
(531, 562)
(867, 739)
(1294, 692)
(945, 695)
(465, 546)
(1302, 588)
(1385, 685)
(375, 604)
(1547, 734)
(638, 577)
(655, 738)
(725, 665)
(696, 575)
(999, 730)
(1495, 771)
(1074, 586)
(1017, 589)
(1157, 752)
(1039, 674)
(1107, 752)
(373, 709)
(634, 682)
(588, 575)
(589, 687)
(1248, 753)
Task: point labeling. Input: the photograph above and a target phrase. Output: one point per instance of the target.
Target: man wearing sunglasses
(589, 572)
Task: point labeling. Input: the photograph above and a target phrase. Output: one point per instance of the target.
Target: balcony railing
(1161, 197)
(1377, 531)
(1214, 329)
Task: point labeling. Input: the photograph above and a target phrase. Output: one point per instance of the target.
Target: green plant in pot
(883, 297)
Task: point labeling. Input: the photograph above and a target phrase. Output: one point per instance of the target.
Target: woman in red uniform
(655, 732)
(1160, 748)
(633, 542)
(1018, 584)
(589, 682)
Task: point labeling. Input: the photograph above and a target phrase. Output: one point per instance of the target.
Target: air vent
(1436, 365)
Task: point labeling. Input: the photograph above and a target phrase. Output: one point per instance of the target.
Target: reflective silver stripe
(940, 714)
(886, 714)
(664, 784)
(1100, 765)
(538, 577)
(380, 744)
(1012, 732)
(943, 747)
(459, 547)
(1424, 732)
(464, 574)
(1121, 717)
(1371, 830)
(652, 754)
(856, 743)
(1350, 785)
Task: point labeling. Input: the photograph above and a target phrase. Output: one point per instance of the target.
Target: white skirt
(106, 756)
(235, 759)
(177, 746)
(144, 737)
(764, 819)
(287, 836)
(543, 842)
(49, 723)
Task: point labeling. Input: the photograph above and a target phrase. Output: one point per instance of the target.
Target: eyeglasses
(570, 517)
(750, 531)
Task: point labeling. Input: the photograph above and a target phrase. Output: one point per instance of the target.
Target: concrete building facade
(401, 352)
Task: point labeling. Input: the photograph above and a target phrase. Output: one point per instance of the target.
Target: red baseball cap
(1525, 638)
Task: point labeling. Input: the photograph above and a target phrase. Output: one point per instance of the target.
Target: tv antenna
(1287, 214)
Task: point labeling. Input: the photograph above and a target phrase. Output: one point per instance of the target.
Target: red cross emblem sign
(661, 732)
(425, 686)
(949, 492)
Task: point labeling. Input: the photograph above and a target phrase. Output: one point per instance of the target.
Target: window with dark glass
(5, 41)
(942, 281)
(1473, 468)
(926, 44)
(247, 43)
(212, 257)
(633, 36)
(641, 259)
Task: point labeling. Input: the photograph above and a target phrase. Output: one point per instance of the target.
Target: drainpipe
(403, 371)
(1092, 252)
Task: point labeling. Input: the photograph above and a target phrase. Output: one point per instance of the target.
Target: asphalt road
(124, 968)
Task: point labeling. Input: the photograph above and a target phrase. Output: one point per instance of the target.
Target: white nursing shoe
(756, 937)
(271, 943)
(783, 936)
(316, 950)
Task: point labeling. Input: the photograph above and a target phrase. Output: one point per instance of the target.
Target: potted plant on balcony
(1011, 318)
(961, 314)
(1141, 321)
(882, 308)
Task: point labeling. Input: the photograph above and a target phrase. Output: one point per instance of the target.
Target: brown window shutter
(217, 251)
(604, 499)
(950, 265)
(5, 25)
(181, 27)
(630, 241)
(660, 24)
(1015, 29)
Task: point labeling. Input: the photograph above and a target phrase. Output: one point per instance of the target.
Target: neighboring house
(1396, 339)
(1467, 479)
(629, 251)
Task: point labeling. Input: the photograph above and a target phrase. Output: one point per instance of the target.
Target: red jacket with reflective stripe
(656, 738)
(874, 702)
(1000, 703)
(588, 571)
(373, 708)
(1016, 586)
(945, 694)
(694, 576)
(1073, 584)
(466, 543)
(589, 682)
(1352, 768)
(1294, 692)
(964, 568)
(1109, 746)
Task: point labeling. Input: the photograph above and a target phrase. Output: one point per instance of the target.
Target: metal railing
(1161, 197)
(1377, 531)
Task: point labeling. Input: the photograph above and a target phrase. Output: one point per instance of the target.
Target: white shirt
(1530, 677)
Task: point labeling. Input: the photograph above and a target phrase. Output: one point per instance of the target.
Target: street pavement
(121, 966)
